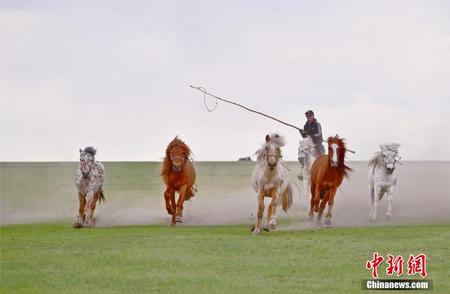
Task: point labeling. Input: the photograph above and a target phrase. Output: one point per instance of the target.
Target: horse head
(389, 156)
(336, 151)
(87, 160)
(178, 153)
(305, 149)
(271, 152)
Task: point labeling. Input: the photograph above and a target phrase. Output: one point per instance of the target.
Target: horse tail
(288, 196)
(191, 193)
(101, 196)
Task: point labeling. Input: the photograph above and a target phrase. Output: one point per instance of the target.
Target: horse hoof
(388, 216)
(372, 219)
(328, 222)
(266, 228)
(77, 225)
(272, 227)
(311, 217)
(256, 231)
(179, 219)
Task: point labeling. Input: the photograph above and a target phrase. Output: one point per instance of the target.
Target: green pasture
(48, 256)
(43, 258)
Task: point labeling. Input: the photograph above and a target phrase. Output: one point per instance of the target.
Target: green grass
(40, 258)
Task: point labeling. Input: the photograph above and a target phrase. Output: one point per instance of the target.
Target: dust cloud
(419, 198)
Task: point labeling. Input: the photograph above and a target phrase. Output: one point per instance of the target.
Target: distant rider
(313, 129)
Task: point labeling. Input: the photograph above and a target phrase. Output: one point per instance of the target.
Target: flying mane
(341, 155)
(90, 150)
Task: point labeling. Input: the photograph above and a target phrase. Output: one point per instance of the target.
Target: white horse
(306, 157)
(270, 179)
(382, 178)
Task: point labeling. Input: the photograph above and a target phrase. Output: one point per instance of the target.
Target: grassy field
(55, 258)
(45, 255)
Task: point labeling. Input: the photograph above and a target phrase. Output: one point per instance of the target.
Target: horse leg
(271, 212)
(173, 205)
(80, 219)
(317, 198)
(372, 199)
(390, 197)
(89, 199)
(311, 209)
(330, 207)
(179, 209)
(93, 205)
(257, 229)
(376, 200)
(167, 195)
(307, 188)
(323, 203)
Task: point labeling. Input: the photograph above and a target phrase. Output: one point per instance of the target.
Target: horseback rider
(313, 129)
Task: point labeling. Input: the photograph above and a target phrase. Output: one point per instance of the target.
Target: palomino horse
(179, 175)
(306, 157)
(382, 178)
(270, 179)
(89, 181)
(327, 173)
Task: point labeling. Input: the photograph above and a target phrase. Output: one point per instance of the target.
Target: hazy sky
(116, 75)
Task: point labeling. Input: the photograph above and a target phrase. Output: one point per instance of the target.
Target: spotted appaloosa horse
(89, 182)
(382, 178)
(179, 176)
(327, 173)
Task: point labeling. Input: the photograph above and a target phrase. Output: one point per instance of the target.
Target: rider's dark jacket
(314, 130)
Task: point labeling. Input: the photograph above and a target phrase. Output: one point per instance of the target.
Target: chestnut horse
(327, 173)
(179, 176)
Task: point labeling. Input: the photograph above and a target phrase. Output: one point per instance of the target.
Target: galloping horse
(306, 157)
(270, 179)
(179, 176)
(382, 178)
(327, 173)
(89, 182)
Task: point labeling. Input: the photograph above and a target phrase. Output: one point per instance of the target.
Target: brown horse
(179, 175)
(327, 173)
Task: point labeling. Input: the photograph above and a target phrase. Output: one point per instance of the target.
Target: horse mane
(277, 139)
(391, 146)
(341, 154)
(166, 167)
(90, 150)
(374, 161)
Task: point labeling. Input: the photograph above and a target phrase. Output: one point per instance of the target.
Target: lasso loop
(204, 100)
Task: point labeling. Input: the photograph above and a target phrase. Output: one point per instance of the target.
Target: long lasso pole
(201, 89)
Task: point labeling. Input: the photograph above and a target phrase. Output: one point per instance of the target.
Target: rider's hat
(309, 112)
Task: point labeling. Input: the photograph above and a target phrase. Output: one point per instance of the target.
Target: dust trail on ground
(201, 210)
(419, 198)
